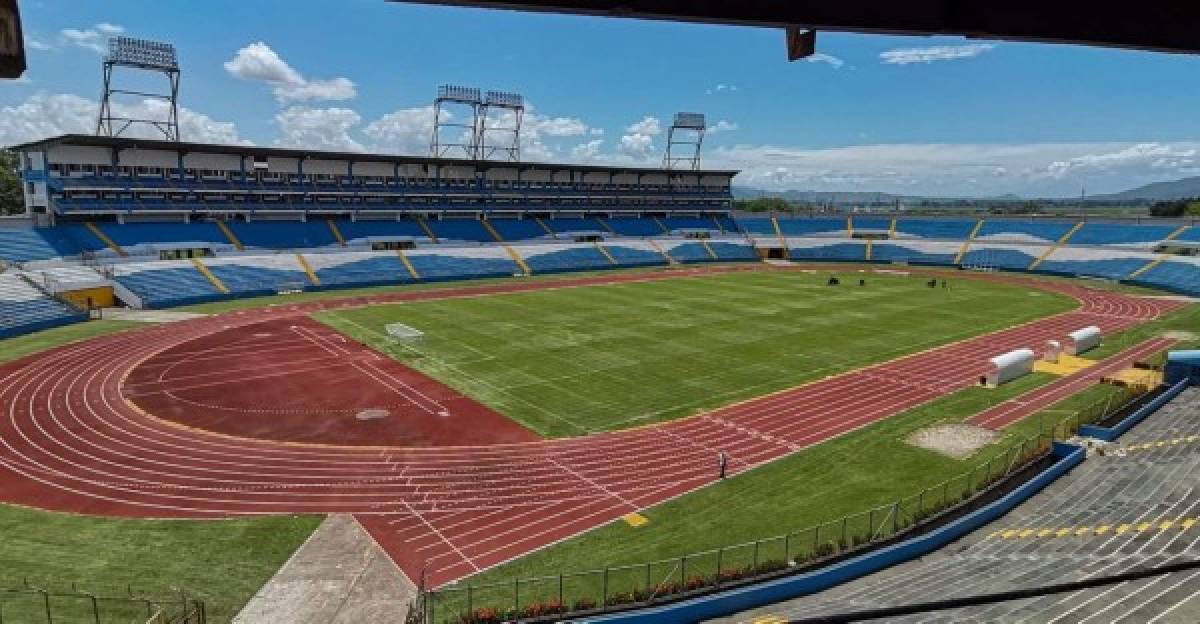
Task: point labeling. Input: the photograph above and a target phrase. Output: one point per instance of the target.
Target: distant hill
(820, 197)
(1158, 191)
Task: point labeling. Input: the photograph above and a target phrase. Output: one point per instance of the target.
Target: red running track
(70, 440)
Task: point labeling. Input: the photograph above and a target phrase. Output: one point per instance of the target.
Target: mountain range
(1157, 191)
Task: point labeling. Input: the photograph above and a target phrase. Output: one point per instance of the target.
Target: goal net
(404, 333)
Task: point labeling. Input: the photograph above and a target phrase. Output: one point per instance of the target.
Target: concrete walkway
(340, 575)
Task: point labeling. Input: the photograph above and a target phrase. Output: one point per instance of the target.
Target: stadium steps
(546, 227)
(606, 254)
(849, 226)
(110, 243)
(516, 256)
(779, 235)
(337, 232)
(665, 255)
(867, 257)
(712, 254)
(720, 228)
(966, 246)
(1178, 231)
(1148, 266)
(428, 230)
(892, 229)
(312, 275)
(1062, 241)
(492, 230)
(412, 270)
(604, 224)
(213, 279)
(233, 239)
(661, 225)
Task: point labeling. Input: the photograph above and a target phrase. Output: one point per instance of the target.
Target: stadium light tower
(450, 135)
(684, 139)
(142, 55)
(510, 109)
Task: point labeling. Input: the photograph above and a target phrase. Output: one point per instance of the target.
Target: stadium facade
(76, 176)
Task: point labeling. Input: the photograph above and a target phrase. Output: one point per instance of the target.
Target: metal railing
(29, 604)
(619, 587)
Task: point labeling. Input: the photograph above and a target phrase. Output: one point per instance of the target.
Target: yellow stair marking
(657, 247)
(518, 259)
(779, 234)
(660, 224)
(337, 234)
(1009, 534)
(1174, 235)
(604, 224)
(1082, 531)
(1045, 533)
(850, 225)
(491, 230)
(1187, 524)
(1123, 529)
(105, 239)
(967, 243)
(312, 275)
(1053, 248)
(994, 534)
(1102, 529)
(710, 251)
(868, 258)
(1063, 532)
(1165, 524)
(1144, 526)
(1149, 265)
(635, 519)
(769, 619)
(428, 230)
(606, 253)
(1026, 533)
(546, 227)
(233, 239)
(216, 282)
(412, 270)
(892, 229)
(717, 222)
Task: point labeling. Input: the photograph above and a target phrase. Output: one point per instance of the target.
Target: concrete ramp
(340, 575)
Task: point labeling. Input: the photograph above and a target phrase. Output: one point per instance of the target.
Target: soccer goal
(399, 332)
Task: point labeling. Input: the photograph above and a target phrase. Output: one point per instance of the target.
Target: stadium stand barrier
(1108, 434)
(732, 578)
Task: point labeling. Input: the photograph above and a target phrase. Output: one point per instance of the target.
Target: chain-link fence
(646, 583)
(28, 604)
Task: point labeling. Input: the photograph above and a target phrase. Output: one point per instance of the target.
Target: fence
(652, 582)
(29, 604)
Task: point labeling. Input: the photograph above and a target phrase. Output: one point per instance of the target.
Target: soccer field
(578, 360)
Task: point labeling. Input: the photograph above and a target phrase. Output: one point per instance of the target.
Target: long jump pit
(296, 380)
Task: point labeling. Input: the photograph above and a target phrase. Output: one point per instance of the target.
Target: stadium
(463, 387)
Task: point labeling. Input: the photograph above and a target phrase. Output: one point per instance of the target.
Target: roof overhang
(1160, 25)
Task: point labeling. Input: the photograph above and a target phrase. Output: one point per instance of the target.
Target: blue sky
(940, 116)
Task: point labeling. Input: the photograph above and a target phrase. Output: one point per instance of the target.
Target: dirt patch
(958, 440)
(1182, 336)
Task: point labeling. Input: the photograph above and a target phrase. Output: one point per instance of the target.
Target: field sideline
(572, 362)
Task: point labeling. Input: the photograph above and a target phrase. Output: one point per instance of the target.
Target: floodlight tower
(464, 135)
(510, 109)
(142, 55)
(684, 139)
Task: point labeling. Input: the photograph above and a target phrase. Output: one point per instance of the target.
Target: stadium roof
(88, 140)
(1162, 25)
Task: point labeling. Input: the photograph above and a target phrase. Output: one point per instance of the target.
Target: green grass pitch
(567, 362)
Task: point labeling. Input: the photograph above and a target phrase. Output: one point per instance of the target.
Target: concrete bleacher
(130, 235)
(678, 224)
(916, 251)
(28, 244)
(460, 230)
(165, 283)
(283, 234)
(462, 263)
(1095, 262)
(24, 308)
(812, 225)
(943, 229)
(554, 258)
(1001, 256)
(760, 226)
(569, 226)
(363, 232)
(1119, 511)
(635, 253)
(1120, 234)
(362, 268)
(519, 229)
(632, 226)
(825, 249)
(1023, 231)
(733, 250)
(245, 275)
(1178, 274)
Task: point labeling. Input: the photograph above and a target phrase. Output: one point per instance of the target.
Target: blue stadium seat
(519, 229)
(628, 226)
(951, 229)
(872, 223)
(381, 269)
(568, 226)
(248, 278)
(811, 225)
(837, 251)
(632, 256)
(443, 266)
(283, 234)
(733, 251)
(1032, 231)
(898, 252)
(24, 309)
(166, 284)
(131, 234)
(689, 253)
(461, 230)
(756, 225)
(999, 258)
(25, 245)
(555, 260)
(690, 223)
(361, 230)
(1111, 268)
(1120, 234)
(1178, 276)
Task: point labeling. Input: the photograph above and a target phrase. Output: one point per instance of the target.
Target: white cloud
(648, 126)
(587, 151)
(403, 131)
(318, 128)
(638, 142)
(94, 38)
(44, 115)
(722, 126)
(906, 56)
(258, 62)
(721, 87)
(33, 43)
(1033, 169)
(828, 59)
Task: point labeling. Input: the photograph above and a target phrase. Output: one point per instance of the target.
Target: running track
(70, 440)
